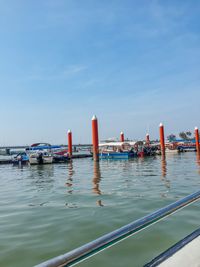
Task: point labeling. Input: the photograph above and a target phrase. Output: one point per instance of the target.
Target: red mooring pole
(196, 131)
(69, 143)
(95, 138)
(147, 139)
(121, 137)
(162, 139)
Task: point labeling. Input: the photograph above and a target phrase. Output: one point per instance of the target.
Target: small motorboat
(40, 153)
(40, 157)
(116, 150)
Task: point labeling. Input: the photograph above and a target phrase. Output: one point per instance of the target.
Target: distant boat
(176, 147)
(124, 150)
(187, 146)
(116, 150)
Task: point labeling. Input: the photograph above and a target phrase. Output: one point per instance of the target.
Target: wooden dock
(5, 161)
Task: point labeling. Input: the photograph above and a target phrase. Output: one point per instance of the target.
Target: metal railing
(79, 254)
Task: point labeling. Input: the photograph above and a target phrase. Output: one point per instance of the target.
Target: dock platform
(75, 156)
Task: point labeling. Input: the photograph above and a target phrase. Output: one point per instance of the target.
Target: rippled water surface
(48, 210)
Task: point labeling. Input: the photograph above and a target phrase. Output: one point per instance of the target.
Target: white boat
(172, 148)
(40, 158)
(185, 253)
(171, 151)
(40, 154)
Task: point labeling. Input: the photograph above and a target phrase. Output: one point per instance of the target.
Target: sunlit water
(48, 210)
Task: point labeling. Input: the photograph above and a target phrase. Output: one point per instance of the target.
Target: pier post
(196, 130)
(162, 139)
(69, 143)
(121, 137)
(147, 139)
(95, 138)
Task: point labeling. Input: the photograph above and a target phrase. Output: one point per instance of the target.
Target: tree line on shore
(186, 136)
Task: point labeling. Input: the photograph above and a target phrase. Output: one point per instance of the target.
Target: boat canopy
(118, 144)
(41, 146)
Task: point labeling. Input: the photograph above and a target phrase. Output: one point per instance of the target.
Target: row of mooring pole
(95, 139)
(162, 140)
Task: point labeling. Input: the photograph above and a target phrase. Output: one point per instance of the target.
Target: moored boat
(124, 150)
(40, 158)
(40, 153)
(116, 150)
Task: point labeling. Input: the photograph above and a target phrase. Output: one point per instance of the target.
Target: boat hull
(34, 160)
(116, 155)
(60, 159)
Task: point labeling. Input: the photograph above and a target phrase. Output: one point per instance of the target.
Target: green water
(46, 211)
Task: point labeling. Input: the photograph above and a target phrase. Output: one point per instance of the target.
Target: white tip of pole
(161, 124)
(196, 128)
(147, 134)
(94, 117)
(69, 131)
(121, 133)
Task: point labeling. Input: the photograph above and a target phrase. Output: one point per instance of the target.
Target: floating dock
(76, 156)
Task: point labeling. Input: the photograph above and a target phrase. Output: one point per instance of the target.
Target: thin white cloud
(67, 72)
(74, 69)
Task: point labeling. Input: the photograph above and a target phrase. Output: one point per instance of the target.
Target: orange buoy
(70, 143)
(196, 130)
(147, 139)
(121, 137)
(162, 139)
(95, 138)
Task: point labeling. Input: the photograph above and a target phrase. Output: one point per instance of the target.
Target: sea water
(48, 210)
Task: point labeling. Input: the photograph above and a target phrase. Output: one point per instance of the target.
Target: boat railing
(79, 254)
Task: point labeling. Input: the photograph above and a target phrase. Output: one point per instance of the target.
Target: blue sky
(132, 63)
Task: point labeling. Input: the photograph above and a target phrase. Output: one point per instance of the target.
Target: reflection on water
(44, 170)
(164, 173)
(96, 182)
(96, 178)
(163, 166)
(42, 176)
(69, 182)
(198, 158)
(198, 162)
(70, 169)
(99, 203)
(36, 212)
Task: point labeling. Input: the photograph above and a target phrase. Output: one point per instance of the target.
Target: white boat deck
(188, 256)
(185, 253)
